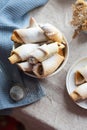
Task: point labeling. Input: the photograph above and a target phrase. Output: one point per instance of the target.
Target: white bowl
(59, 69)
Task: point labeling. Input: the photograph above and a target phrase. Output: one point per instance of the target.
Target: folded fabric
(15, 14)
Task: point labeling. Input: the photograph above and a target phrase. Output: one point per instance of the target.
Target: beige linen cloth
(56, 110)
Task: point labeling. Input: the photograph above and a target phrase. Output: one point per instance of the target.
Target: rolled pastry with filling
(48, 66)
(17, 38)
(80, 93)
(31, 34)
(22, 53)
(27, 35)
(25, 66)
(43, 52)
(81, 75)
(37, 33)
(52, 33)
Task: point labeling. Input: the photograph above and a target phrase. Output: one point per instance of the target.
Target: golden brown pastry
(80, 92)
(52, 33)
(81, 75)
(43, 52)
(29, 35)
(22, 53)
(37, 33)
(25, 66)
(48, 66)
(17, 38)
(41, 48)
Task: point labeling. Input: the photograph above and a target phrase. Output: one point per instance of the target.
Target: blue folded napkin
(15, 14)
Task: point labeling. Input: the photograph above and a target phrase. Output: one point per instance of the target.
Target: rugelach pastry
(48, 66)
(25, 66)
(80, 92)
(44, 52)
(40, 49)
(37, 33)
(81, 75)
(22, 53)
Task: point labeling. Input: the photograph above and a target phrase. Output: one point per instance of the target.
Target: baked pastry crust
(80, 92)
(48, 66)
(81, 76)
(40, 49)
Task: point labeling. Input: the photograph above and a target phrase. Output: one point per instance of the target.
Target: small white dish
(70, 82)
